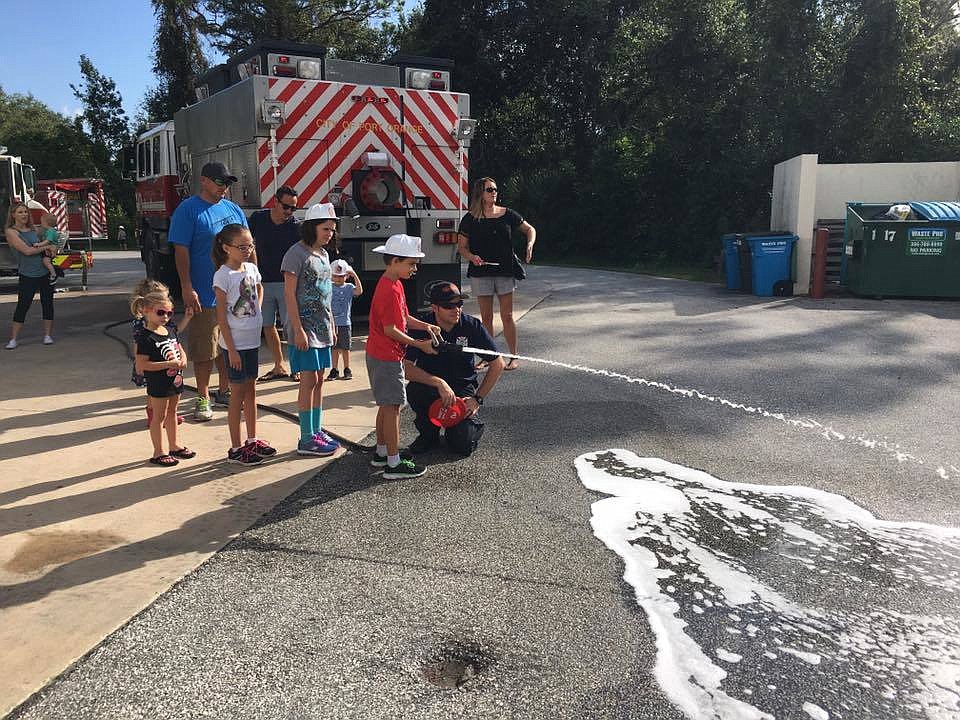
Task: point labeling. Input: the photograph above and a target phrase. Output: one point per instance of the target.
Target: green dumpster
(916, 257)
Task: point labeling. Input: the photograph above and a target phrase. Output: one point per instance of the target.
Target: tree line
(630, 132)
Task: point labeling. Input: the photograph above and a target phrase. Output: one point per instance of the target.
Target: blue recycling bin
(731, 259)
(772, 256)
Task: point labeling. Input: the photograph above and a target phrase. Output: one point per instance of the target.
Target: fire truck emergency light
(308, 69)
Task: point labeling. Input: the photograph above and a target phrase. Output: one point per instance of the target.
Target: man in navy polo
(275, 230)
(450, 375)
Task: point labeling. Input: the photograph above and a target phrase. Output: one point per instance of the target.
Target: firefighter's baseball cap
(321, 211)
(340, 268)
(402, 246)
(443, 292)
(217, 171)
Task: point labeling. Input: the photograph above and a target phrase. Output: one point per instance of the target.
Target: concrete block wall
(805, 191)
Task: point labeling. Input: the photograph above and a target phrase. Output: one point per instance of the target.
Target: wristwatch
(478, 399)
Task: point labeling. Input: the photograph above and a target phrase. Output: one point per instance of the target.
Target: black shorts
(161, 385)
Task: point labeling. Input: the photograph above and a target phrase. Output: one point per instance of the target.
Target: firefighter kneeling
(448, 381)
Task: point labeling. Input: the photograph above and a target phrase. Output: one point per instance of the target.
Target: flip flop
(183, 453)
(164, 461)
(271, 375)
(512, 364)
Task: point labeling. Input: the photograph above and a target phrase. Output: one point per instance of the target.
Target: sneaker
(12, 345)
(347, 374)
(220, 397)
(406, 469)
(321, 436)
(261, 448)
(424, 443)
(47, 340)
(334, 374)
(244, 455)
(381, 460)
(314, 446)
(201, 410)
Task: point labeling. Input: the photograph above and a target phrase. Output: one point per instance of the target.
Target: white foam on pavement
(774, 602)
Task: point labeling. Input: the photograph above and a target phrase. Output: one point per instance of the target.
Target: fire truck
(385, 143)
(17, 184)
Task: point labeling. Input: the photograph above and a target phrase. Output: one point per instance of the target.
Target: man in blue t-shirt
(194, 224)
(275, 231)
(449, 375)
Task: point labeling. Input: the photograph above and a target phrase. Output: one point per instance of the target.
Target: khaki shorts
(202, 335)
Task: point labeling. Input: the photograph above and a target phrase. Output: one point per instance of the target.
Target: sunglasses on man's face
(490, 189)
(451, 306)
(160, 312)
(222, 183)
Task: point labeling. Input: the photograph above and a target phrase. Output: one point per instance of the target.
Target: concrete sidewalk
(91, 534)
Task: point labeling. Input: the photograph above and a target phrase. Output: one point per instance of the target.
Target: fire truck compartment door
(434, 165)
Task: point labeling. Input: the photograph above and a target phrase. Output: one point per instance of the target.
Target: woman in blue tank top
(33, 277)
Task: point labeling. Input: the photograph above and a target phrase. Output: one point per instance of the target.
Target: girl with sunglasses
(148, 285)
(161, 359)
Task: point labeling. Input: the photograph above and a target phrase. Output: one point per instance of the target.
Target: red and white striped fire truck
(386, 143)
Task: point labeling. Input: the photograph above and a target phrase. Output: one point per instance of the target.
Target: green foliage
(45, 139)
(103, 111)
(638, 132)
(107, 129)
(344, 26)
(178, 59)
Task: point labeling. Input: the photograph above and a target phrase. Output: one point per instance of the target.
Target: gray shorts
(495, 285)
(386, 381)
(343, 338)
(274, 303)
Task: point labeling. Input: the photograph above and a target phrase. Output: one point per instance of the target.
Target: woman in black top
(487, 242)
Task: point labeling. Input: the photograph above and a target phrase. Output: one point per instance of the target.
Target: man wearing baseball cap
(194, 224)
(450, 374)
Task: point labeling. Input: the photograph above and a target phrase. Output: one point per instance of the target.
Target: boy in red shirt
(386, 347)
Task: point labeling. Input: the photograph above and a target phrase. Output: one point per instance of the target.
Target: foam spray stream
(828, 431)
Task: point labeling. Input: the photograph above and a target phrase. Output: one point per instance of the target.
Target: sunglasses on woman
(490, 189)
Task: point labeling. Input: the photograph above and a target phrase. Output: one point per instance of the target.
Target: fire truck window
(5, 192)
(142, 159)
(18, 182)
(156, 155)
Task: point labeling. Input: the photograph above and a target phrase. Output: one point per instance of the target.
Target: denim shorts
(274, 303)
(309, 360)
(343, 338)
(249, 365)
(492, 285)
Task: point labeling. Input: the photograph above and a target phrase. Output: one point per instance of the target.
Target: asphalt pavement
(479, 589)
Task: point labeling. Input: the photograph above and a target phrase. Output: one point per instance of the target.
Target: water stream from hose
(828, 431)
